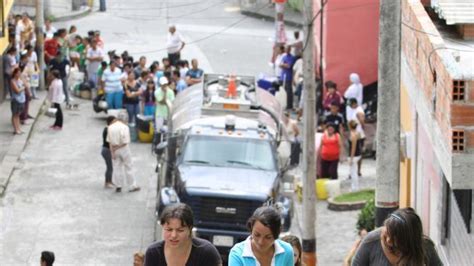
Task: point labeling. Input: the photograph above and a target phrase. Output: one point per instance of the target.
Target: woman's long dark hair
(406, 234)
(149, 95)
(295, 242)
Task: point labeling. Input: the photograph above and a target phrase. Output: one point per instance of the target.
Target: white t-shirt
(93, 66)
(182, 73)
(32, 61)
(49, 33)
(113, 80)
(174, 42)
(278, 60)
(298, 70)
(351, 114)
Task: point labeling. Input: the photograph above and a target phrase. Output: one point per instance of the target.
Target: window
(464, 200)
(229, 152)
(459, 90)
(458, 140)
(446, 211)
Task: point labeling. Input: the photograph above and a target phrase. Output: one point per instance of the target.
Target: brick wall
(470, 140)
(427, 65)
(466, 31)
(470, 91)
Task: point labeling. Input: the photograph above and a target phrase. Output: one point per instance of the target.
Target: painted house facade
(437, 123)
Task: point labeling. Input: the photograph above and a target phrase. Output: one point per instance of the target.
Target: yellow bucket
(145, 128)
(146, 137)
(321, 192)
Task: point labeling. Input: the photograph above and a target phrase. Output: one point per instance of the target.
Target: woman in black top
(131, 99)
(399, 242)
(107, 155)
(179, 247)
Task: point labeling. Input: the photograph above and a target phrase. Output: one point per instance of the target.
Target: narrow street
(395, 98)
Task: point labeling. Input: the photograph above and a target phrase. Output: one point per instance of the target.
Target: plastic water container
(145, 128)
(321, 192)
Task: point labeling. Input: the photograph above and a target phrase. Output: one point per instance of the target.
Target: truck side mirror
(160, 148)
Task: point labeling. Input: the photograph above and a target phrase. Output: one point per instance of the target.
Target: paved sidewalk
(61, 10)
(261, 9)
(13, 145)
(336, 231)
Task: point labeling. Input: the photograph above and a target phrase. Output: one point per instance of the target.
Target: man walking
(287, 76)
(118, 136)
(174, 45)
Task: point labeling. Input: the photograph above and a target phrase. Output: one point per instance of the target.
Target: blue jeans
(132, 110)
(65, 89)
(114, 99)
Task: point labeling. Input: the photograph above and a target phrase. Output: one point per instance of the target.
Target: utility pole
(309, 156)
(388, 111)
(47, 8)
(40, 41)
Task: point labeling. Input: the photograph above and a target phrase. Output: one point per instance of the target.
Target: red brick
(462, 115)
(466, 31)
(469, 138)
(470, 91)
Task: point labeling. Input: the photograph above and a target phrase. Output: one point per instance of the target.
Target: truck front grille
(222, 213)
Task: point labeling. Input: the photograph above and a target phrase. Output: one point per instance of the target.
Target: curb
(345, 206)
(69, 16)
(16, 148)
(74, 15)
(255, 14)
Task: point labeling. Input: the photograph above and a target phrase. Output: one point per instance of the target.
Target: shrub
(366, 219)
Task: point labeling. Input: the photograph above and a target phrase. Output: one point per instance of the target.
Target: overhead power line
(210, 35)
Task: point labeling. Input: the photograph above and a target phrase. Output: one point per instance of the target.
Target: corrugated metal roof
(455, 11)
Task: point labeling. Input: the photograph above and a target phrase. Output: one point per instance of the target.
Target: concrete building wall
(429, 105)
(406, 128)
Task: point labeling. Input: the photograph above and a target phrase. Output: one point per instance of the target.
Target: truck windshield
(247, 153)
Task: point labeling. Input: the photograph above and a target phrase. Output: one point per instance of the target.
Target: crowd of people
(137, 86)
(148, 89)
(343, 136)
(339, 141)
(20, 69)
(400, 241)
(262, 247)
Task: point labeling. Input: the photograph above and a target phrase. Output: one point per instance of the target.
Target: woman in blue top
(262, 247)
